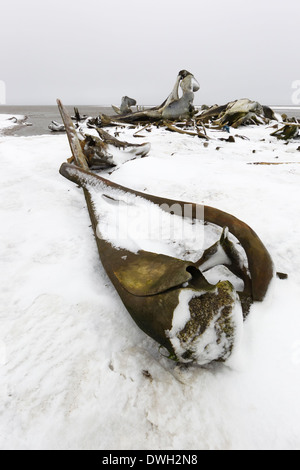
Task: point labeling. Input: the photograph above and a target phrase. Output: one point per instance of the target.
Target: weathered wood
(72, 137)
(273, 163)
(174, 128)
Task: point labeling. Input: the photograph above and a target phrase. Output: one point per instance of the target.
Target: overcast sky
(96, 51)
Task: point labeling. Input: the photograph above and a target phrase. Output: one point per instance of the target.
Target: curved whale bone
(260, 264)
(178, 108)
(187, 83)
(152, 286)
(125, 107)
(174, 107)
(169, 298)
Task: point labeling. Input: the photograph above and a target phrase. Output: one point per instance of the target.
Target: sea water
(41, 116)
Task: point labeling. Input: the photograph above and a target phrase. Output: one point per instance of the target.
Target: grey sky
(96, 51)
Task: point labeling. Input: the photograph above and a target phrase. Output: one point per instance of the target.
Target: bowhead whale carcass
(169, 297)
(182, 107)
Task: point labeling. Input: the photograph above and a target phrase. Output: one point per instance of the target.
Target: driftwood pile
(178, 114)
(233, 115)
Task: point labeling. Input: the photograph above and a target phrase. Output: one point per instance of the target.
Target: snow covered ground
(9, 122)
(76, 372)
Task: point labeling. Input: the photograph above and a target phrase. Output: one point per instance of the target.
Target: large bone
(151, 285)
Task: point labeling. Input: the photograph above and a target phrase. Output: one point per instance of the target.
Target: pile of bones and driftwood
(178, 114)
